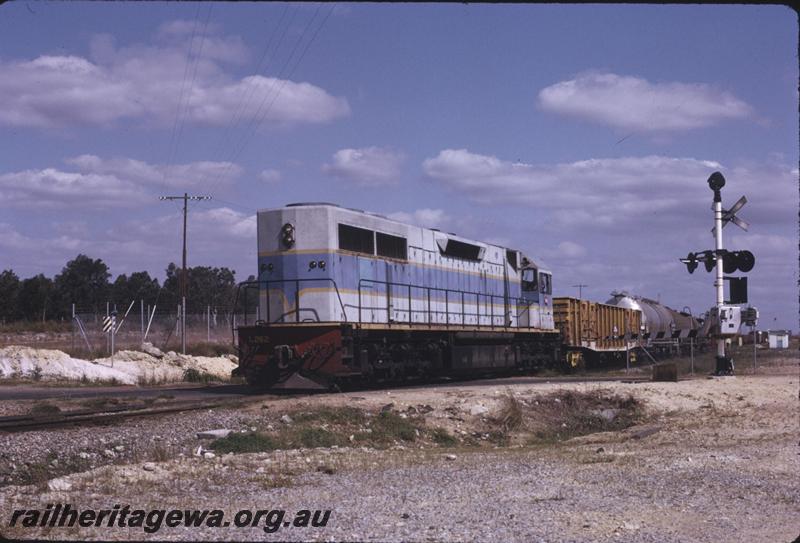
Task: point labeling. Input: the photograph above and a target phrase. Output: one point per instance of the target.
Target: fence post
(108, 338)
(73, 328)
(141, 313)
(208, 324)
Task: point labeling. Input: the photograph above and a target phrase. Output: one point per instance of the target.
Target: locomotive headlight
(312, 265)
(321, 264)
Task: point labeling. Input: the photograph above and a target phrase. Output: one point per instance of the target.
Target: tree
(9, 291)
(139, 286)
(214, 287)
(35, 298)
(83, 281)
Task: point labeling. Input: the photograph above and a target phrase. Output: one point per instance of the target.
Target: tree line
(86, 282)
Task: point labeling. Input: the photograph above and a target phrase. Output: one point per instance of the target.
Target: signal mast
(726, 317)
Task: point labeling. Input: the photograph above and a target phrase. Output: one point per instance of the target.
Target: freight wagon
(595, 334)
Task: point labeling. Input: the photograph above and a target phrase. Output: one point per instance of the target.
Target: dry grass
(510, 415)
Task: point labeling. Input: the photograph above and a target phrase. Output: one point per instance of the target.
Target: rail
(109, 414)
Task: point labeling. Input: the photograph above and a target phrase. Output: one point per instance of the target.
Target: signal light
(729, 262)
(745, 260)
(709, 260)
(691, 262)
(739, 260)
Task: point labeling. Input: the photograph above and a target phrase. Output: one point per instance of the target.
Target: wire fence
(135, 324)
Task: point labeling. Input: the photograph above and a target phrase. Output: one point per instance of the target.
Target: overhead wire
(261, 113)
(197, 59)
(180, 98)
(242, 104)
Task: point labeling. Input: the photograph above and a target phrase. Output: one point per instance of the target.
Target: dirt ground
(707, 459)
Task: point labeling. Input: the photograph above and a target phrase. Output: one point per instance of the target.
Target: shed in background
(778, 339)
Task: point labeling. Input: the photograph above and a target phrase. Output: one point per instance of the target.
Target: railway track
(106, 415)
(109, 414)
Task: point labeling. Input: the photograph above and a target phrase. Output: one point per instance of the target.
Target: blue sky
(582, 135)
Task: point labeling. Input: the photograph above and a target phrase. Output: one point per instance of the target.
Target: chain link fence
(135, 324)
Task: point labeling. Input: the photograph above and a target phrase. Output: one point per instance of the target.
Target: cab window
(545, 283)
(529, 283)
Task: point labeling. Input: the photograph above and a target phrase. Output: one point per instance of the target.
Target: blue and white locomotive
(349, 296)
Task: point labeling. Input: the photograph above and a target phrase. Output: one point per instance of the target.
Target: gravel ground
(723, 467)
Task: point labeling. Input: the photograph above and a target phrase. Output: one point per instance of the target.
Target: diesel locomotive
(348, 297)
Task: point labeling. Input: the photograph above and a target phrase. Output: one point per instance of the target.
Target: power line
(243, 105)
(180, 97)
(194, 77)
(238, 116)
(259, 117)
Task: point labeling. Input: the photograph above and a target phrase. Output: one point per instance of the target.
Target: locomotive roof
(330, 204)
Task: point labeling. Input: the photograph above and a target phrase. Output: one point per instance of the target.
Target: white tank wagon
(659, 322)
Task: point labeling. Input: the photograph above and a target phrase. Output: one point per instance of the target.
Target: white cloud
(570, 249)
(146, 83)
(367, 165)
(426, 217)
(270, 175)
(102, 182)
(610, 191)
(633, 103)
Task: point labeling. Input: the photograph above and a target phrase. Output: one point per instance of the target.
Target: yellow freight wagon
(595, 334)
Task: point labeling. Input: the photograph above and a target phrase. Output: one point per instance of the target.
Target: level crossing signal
(731, 261)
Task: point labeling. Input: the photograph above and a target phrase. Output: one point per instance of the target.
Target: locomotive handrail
(450, 296)
(363, 283)
(267, 283)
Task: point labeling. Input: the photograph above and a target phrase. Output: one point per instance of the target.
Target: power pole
(580, 289)
(183, 279)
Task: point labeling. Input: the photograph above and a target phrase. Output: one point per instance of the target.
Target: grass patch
(387, 428)
(333, 415)
(560, 416)
(566, 414)
(250, 442)
(151, 380)
(315, 437)
(510, 416)
(331, 427)
(443, 438)
(192, 375)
